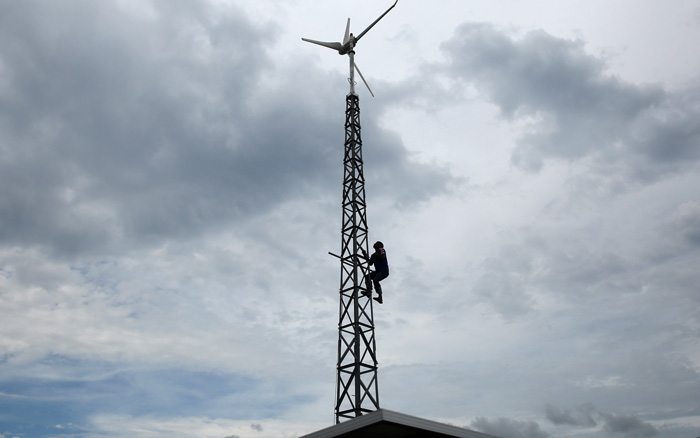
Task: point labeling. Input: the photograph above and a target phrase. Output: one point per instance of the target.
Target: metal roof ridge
(396, 418)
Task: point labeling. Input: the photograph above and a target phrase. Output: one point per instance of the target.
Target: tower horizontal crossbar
(356, 389)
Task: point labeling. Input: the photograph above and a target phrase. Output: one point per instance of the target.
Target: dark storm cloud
(507, 428)
(391, 173)
(118, 124)
(628, 425)
(581, 416)
(623, 425)
(573, 108)
(121, 125)
(686, 223)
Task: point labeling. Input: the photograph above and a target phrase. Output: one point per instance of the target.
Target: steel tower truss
(356, 389)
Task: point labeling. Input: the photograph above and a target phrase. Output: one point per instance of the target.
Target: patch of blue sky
(32, 416)
(98, 274)
(77, 390)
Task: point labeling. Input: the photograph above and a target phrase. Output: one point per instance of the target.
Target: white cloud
(147, 427)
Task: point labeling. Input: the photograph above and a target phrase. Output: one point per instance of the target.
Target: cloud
(124, 128)
(582, 415)
(171, 181)
(507, 428)
(685, 222)
(500, 284)
(628, 425)
(572, 109)
(587, 416)
(183, 427)
(108, 133)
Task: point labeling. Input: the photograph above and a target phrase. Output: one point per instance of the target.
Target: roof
(389, 424)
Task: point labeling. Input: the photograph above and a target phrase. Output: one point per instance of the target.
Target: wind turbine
(347, 48)
(356, 379)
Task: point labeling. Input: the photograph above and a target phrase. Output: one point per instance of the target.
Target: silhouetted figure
(381, 270)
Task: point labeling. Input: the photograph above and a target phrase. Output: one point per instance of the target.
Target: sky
(171, 183)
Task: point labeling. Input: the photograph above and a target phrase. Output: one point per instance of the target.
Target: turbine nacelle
(347, 47)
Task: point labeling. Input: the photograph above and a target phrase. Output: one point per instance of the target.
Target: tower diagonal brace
(356, 390)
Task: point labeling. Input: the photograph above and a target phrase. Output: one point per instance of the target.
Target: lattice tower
(356, 389)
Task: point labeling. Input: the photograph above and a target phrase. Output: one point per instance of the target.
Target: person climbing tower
(381, 270)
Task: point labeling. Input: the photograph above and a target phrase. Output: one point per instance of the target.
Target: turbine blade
(363, 78)
(357, 38)
(347, 33)
(335, 46)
